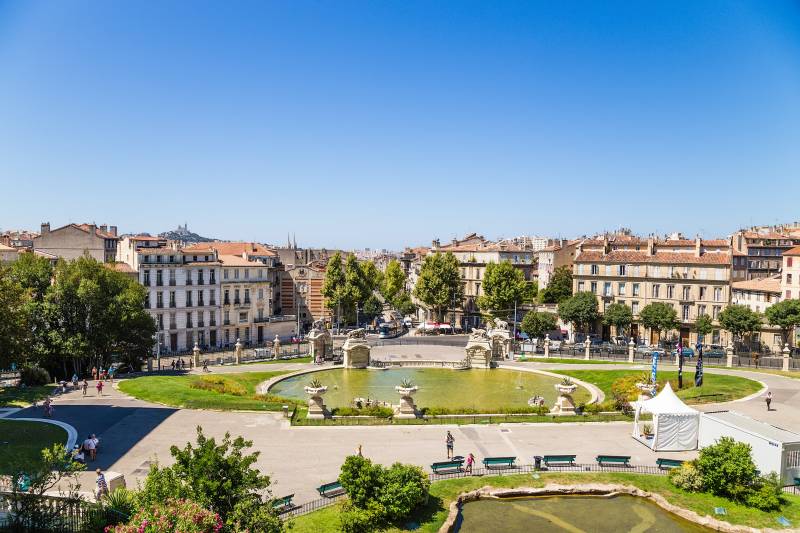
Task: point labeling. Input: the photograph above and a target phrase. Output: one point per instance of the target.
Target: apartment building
(183, 294)
(75, 240)
(693, 276)
(300, 293)
(759, 294)
(790, 275)
(558, 253)
(759, 250)
(8, 254)
(247, 294)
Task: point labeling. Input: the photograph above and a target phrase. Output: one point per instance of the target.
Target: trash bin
(537, 462)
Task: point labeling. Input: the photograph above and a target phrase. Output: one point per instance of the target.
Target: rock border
(592, 489)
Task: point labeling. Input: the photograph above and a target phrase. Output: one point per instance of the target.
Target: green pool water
(481, 389)
(576, 514)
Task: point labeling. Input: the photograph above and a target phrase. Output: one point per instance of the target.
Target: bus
(390, 329)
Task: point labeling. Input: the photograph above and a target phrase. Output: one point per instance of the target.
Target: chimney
(92, 230)
(650, 245)
(45, 228)
(697, 246)
(605, 244)
(454, 241)
(113, 230)
(435, 244)
(104, 228)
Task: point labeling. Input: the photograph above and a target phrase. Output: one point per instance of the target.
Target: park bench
(454, 465)
(559, 460)
(604, 460)
(668, 463)
(284, 504)
(329, 490)
(506, 462)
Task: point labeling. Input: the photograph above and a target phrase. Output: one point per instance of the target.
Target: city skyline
(387, 125)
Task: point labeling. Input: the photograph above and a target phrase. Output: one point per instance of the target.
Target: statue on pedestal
(356, 350)
(320, 342)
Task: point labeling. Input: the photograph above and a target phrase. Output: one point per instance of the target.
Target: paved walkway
(134, 433)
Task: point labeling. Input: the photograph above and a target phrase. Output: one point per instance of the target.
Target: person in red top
(99, 387)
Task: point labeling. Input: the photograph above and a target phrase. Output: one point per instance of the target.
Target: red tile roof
(770, 284)
(619, 256)
(233, 248)
(792, 251)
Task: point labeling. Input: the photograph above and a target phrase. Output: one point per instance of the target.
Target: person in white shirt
(89, 446)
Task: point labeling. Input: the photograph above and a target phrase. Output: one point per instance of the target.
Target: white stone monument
(276, 347)
(238, 351)
(320, 341)
(479, 349)
(407, 408)
(564, 404)
(356, 349)
(316, 405)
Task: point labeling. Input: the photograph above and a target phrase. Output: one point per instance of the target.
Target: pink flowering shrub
(174, 515)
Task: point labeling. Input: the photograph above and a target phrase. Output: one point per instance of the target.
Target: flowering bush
(173, 515)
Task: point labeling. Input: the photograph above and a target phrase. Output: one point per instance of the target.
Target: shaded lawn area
(21, 442)
(433, 515)
(177, 391)
(24, 396)
(716, 387)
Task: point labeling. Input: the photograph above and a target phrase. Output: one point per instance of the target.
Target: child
(470, 461)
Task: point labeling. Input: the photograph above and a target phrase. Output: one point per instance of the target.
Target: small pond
(576, 514)
(481, 389)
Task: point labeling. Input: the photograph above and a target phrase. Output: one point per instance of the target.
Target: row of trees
(582, 310)
(349, 289)
(71, 317)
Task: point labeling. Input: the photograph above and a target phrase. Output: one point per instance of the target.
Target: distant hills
(183, 234)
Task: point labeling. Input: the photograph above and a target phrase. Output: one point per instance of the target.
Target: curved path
(134, 433)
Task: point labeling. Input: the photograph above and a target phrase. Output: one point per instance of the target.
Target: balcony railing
(212, 281)
(212, 302)
(200, 281)
(188, 281)
(159, 283)
(201, 324)
(226, 322)
(172, 283)
(189, 325)
(160, 305)
(236, 301)
(172, 304)
(173, 325)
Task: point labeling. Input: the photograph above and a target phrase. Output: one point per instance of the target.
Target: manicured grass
(24, 396)
(279, 361)
(433, 515)
(21, 442)
(177, 391)
(716, 387)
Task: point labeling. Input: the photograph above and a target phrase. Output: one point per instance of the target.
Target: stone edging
(598, 395)
(72, 433)
(598, 489)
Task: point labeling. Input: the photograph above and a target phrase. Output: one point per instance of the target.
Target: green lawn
(24, 396)
(177, 391)
(21, 442)
(716, 387)
(571, 361)
(279, 361)
(433, 515)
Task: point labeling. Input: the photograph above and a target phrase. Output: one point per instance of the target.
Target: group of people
(450, 441)
(86, 451)
(103, 374)
(180, 364)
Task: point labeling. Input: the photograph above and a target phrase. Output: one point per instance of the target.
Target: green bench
(283, 504)
(500, 462)
(668, 463)
(604, 460)
(559, 460)
(456, 466)
(329, 490)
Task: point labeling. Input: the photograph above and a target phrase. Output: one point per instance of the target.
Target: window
(685, 314)
(260, 294)
(160, 321)
(172, 298)
(607, 288)
(608, 270)
(635, 308)
(703, 293)
(226, 297)
(159, 299)
(246, 273)
(670, 291)
(594, 287)
(703, 273)
(246, 295)
(580, 269)
(242, 317)
(636, 289)
(147, 300)
(686, 292)
(671, 271)
(621, 270)
(172, 321)
(717, 294)
(189, 319)
(225, 276)
(656, 271)
(227, 336)
(188, 298)
(701, 310)
(595, 270)
(788, 261)
(715, 312)
(788, 279)
(236, 274)
(236, 296)
(227, 317)
(686, 272)
(580, 286)
(656, 288)
(621, 289)
(146, 279)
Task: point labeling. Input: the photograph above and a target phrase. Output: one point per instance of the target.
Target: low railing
(419, 363)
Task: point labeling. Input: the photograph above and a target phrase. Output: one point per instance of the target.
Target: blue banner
(654, 371)
(698, 371)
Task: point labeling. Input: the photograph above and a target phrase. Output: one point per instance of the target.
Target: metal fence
(321, 503)
(435, 340)
(71, 517)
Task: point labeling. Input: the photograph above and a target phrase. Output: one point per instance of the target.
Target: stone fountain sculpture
(356, 349)
(316, 405)
(479, 349)
(407, 408)
(564, 404)
(320, 341)
(501, 339)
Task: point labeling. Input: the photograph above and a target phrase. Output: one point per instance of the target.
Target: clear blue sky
(383, 124)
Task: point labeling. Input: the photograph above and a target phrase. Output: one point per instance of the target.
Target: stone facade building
(759, 249)
(759, 294)
(75, 240)
(693, 276)
(558, 253)
(300, 293)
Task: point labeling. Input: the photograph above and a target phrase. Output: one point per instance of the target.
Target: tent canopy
(666, 402)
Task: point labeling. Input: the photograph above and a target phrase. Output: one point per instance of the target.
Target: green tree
(394, 280)
(740, 320)
(727, 468)
(703, 325)
(560, 287)
(220, 477)
(93, 312)
(35, 275)
(372, 276)
(785, 315)
(403, 304)
(580, 310)
(618, 315)
(535, 324)
(439, 285)
(15, 332)
(659, 317)
(503, 286)
(371, 308)
(333, 286)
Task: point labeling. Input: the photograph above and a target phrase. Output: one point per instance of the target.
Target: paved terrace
(134, 433)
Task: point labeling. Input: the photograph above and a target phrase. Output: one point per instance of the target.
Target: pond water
(576, 514)
(481, 389)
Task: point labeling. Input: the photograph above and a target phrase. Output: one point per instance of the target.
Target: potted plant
(316, 388)
(647, 431)
(406, 387)
(566, 386)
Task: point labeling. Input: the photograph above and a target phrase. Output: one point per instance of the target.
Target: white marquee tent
(675, 424)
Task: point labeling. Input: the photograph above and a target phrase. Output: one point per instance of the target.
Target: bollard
(631, 347)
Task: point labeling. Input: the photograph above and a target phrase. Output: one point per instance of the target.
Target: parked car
(687, 352)
(714, 350)
(646, 349)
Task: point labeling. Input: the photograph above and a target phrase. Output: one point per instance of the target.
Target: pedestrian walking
(205, 366)
(94, 373)
(48, 408)
(769, 400)
(84, 386)
(90, 447)
(74, 381)
(470, 462)
(449, 441)
(102, 486)
(172, 364)
(99, 387)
